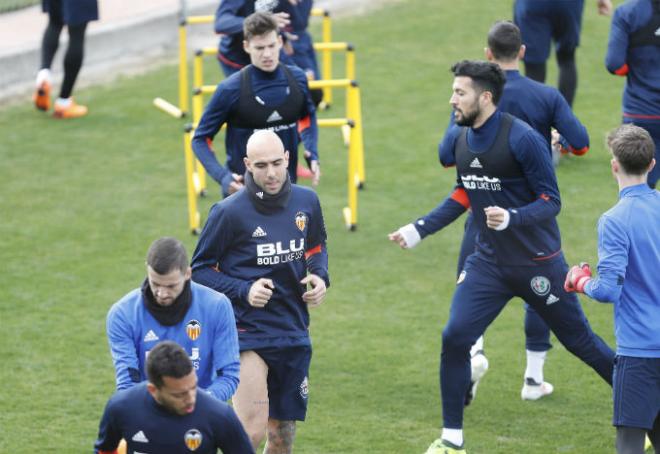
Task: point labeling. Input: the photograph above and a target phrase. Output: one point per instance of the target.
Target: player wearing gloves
(505, 174)
(629, 257)
(169, 306)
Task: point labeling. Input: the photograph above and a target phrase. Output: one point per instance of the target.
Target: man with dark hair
(629, 257)
(633, 51)
(543, 22)
(263, 95)
(543, 108)
(168, 415)
(263, 247)
(505, 174)
(170, 306)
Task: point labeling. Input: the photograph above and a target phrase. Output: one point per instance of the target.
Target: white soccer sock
(478, 345)
(63, 102)
(43, 76)
(535, 361)
(454, 436)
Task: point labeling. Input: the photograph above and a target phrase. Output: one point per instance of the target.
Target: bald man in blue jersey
(505, 174)
(633, 52)
(263, 247)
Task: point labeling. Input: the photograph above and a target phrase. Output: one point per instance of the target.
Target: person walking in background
(75, 14)
(543, 22)
(628, 260)
(633, 52)
(265, 248)
(168, 415)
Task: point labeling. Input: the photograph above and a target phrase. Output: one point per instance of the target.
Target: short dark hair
(486, 76)
(504, 40)
(167, 254)
(258, 24)
(167, 359)
(633, 147)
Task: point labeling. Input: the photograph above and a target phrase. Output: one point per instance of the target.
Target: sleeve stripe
(460, 196)
(544, 197)
(622, 71)
(579, 151)
(304, 123)
(312, 251)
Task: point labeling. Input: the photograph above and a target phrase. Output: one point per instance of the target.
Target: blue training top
(628, 263)
(270, 89)
(640, 64)
(240, 245)
(135, 416)
(207, 333)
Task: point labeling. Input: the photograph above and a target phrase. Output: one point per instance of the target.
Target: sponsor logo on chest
(484, 183)
(280, 252)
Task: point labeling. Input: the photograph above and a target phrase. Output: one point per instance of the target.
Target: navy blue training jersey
(147, 427)
(532, 198)
(240, 245)
(270, 89)
(639, 63)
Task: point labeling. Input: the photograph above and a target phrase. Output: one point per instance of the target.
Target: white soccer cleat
(479, 367)
(532, 390)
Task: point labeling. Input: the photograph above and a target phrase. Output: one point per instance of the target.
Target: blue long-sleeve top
(229, 19)
(240, 245)
(640, 65)
(271, 88)
(539, 105)
(628, 263)
(533, 204)
(213, 345)
(134, 415)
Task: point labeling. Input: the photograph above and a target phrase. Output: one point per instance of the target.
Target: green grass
(12, 5)
(81, 201)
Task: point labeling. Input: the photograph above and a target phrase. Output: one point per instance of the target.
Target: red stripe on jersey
(622, 71)
(304, 123)
(642, 117)
(312, 251)
(538, 259)
(209, 142)
(579, 151)
(460, 196)
(228, 62)
(544, 197)
(109, 452)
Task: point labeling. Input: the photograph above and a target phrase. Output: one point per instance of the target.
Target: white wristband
(505, 222)
(410, 235)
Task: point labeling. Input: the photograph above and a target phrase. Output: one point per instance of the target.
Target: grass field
(82, 200)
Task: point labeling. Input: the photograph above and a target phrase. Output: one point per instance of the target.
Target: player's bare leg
(251, 398)
(280, 437)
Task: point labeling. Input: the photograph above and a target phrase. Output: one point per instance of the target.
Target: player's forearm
(603, 289)
(235, 289)
(208, 159)
(617, 50)
(450, 209)
(309, 132)
(542, 209)
(226, 19)
(225, 384)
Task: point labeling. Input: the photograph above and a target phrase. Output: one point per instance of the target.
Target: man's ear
(521, 52)
(247, 163)
(152, 389)
(245, 46)
(489, 54)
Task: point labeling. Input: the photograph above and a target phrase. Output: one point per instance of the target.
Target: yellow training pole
(198, 108)
(193, 213)
(326, 70)
(357, 140)
(168, 108)
(183, 68)
(350, 62)
(206, 19)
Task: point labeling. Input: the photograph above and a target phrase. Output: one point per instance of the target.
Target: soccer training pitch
(82, 200)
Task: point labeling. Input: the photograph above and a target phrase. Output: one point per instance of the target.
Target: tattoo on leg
(280, 438)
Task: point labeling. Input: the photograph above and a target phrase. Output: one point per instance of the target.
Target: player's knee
(565, 56)
(457, 338)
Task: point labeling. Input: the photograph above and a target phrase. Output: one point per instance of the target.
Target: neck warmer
(267, 203)
(167, 315)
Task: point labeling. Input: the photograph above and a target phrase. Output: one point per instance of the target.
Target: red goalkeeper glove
(577, 278)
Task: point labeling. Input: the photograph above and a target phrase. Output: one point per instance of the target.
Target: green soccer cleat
(441, 446)
(647, 444)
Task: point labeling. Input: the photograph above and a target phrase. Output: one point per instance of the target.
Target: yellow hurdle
(326, 71)
(193, 212)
